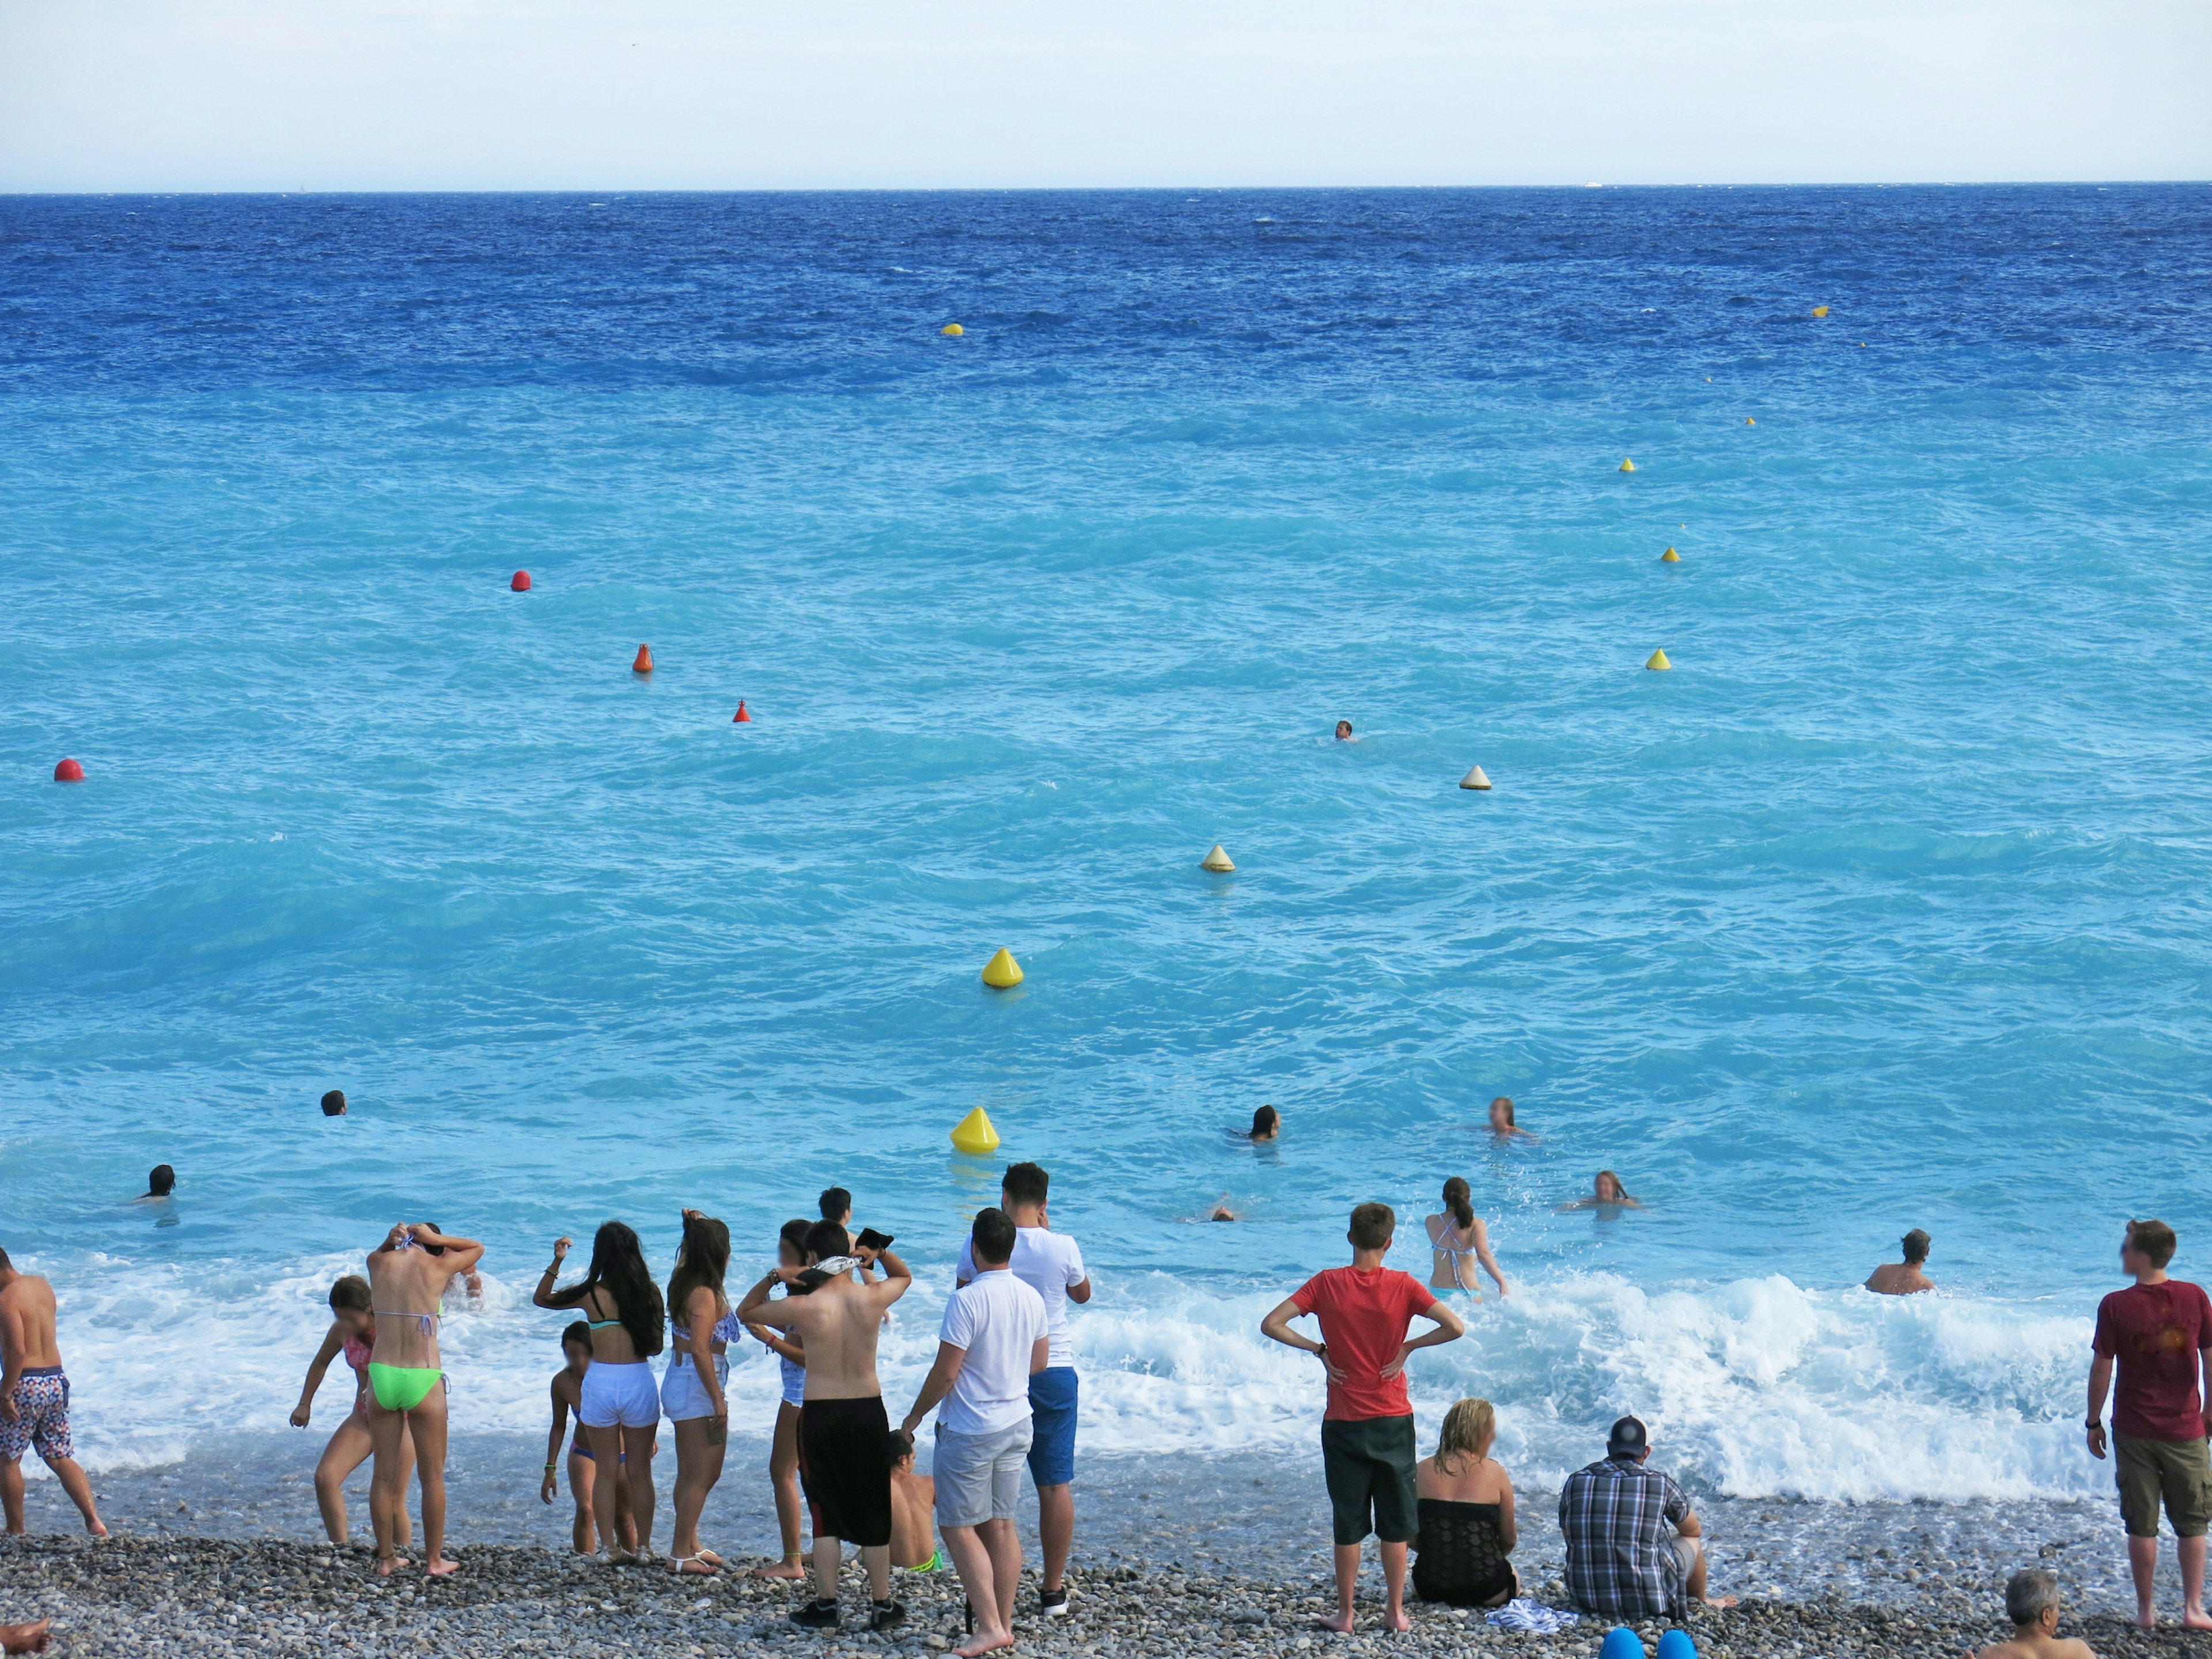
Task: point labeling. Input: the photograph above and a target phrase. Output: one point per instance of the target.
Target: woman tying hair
(1466, 1515)
(353, 1327)
(1457, 1241)
(698, 1371)
(783, 1450)
(407, 1385)
(622, 1304)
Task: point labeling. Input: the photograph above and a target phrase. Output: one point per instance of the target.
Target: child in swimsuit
(567, 1396)
(353, 1327)
(1457, 1241)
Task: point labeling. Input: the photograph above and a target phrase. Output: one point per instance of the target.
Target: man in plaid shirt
(1623, 1562)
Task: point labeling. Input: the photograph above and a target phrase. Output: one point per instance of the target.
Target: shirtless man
(407, 1384)
(1896, 1278)
(914, 1516)
(2032, 1604)
(34, 1397)
(842, 1424)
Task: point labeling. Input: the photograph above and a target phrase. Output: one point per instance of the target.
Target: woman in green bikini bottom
(407, 1395)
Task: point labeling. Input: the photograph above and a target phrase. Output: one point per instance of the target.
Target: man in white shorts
(995, 1337)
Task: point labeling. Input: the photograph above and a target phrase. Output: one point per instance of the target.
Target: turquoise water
(1886, 908)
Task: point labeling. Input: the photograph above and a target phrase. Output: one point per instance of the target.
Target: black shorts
(1368, 1464)
(845, 1466)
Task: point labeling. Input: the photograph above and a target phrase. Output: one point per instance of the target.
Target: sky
(500, 95)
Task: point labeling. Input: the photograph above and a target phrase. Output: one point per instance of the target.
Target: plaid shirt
(1618, 1518)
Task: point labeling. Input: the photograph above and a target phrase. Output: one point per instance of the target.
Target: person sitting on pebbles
(1635, 1547)
(2032, 1602)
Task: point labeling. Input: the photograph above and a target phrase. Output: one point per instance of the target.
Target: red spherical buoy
(743, 718)
(644, 663)
(521, 582)
(69, 772)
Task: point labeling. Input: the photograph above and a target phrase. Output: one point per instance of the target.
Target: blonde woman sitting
(1466, 1515)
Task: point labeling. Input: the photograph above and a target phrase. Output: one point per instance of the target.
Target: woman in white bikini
(691, 1393)
(1457, 1241)
(353, 1327)
(407, 1385)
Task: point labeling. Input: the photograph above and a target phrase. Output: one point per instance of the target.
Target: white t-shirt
(1049, 1264)
(997, 1320)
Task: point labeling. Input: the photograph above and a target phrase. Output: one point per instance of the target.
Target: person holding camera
(842, 1427)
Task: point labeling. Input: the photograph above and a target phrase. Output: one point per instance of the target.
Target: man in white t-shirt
(995, 1339)
(1049, 1264)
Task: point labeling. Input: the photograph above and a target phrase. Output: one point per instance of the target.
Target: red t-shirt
(2155, 1332)
(1364, 1314)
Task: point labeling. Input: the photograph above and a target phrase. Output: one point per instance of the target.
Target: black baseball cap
(1628, 1437)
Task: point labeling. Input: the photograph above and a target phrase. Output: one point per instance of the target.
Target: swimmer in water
(1221, 1211)
(160, 1183)
(353, 1329)
(1606, 1194)
(1344, 732)
(1501, 1122)
(1266, 1125)
(583, 1468)
(334, 1104)
(1457, 1241)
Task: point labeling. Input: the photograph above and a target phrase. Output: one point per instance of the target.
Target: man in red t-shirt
(1367, 1432)
(2159, 1332)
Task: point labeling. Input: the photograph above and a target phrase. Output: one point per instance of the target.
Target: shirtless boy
(1903, 1278)
(842, 1424)
(34, 1397)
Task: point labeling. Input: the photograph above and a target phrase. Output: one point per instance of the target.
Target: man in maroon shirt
(2159, 1331)
(1367, 1432)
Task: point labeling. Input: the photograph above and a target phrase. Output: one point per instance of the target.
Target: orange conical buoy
(521, 582)
(644, 663)
(741, 717)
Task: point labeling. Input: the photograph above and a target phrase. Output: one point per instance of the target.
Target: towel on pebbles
(1533, 1617)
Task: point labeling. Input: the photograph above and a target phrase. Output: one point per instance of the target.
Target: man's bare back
(26, 1319)
(1898, 1279)
(837, 1323)
(2036, 1645)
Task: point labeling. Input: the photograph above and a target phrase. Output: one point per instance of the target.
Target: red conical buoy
(521, 582)
(69, 772)
(742, 718)
(644, 663)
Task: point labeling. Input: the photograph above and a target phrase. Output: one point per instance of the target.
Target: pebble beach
(215, 1598)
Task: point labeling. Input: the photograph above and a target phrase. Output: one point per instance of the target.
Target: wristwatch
(2094, 1423)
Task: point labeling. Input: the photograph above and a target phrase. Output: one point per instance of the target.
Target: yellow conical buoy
(1659, 660)
(1217, 861)
(1628, 467)
(1820, 311)
(956, 331)
(1748, 420)
(1670, 557)
(975, 1135)
(1002, 972)
(1476, 779)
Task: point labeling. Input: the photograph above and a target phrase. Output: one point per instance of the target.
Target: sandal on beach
(711, 1558)
(695, 1566)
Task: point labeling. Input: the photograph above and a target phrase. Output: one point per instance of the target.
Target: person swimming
(161, 1182)
(1344, 732)
(334, 1104)
(1606, 1194)
(1457, 1241)
(1266, 1126)
(1221, 1211)
(1501, 1121)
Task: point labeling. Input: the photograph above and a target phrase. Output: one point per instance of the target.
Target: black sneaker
(886, 1615)
(816, 1615)
(1053, 1604)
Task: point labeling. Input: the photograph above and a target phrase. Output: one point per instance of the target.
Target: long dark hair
(618, 1269)
(1265, 1121)
(1458, 1201)
(702, 1259)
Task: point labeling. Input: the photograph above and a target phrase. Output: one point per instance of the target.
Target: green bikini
(403, 1388)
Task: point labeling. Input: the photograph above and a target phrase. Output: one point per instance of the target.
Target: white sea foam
(1755, 1387)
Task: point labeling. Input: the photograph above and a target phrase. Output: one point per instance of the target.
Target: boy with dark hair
(1050, 1264)
(837, 1205)
(2158, 1331)
(1367, 1431)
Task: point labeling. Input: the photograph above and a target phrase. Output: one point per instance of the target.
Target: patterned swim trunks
(41, 1417)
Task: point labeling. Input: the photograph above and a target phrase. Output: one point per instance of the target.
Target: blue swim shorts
(1052, 1426)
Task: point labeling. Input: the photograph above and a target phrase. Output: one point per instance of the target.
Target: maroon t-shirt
(2156, 1332)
